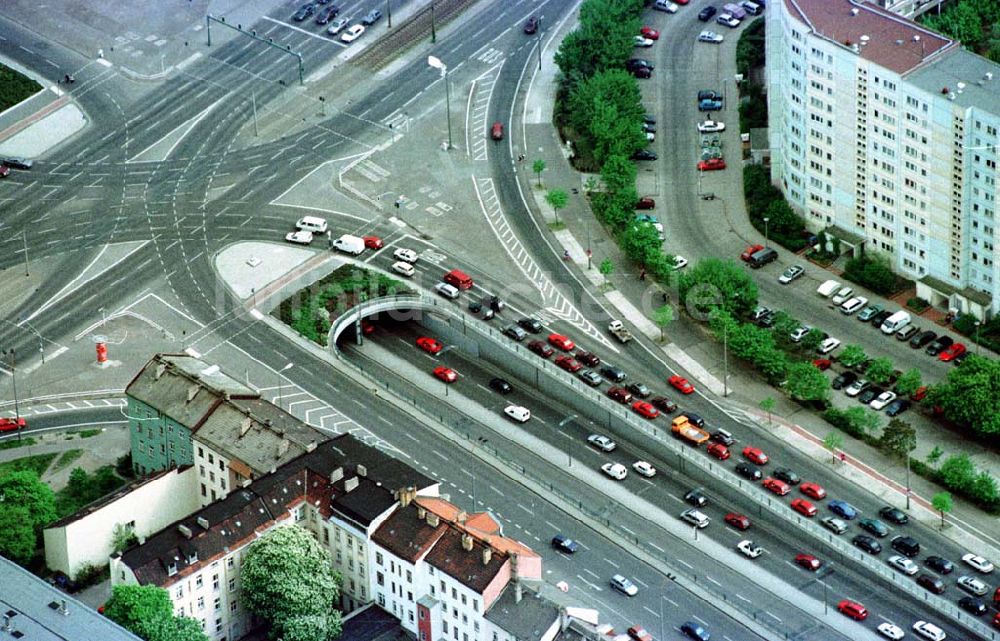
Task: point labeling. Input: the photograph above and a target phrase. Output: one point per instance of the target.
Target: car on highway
(565, 544)
(645, 410)
(868, 312)
(562, 342)
(602, 442)
(529, 324)
(706, 14)
(429, 345)
(639, 389)
(616, 471)
(922, 339)
(448, 291)
(723, 436)
(828, 345)
(446, 374)
(642, 41)
(590, 377)
(352, 33)
(531, 25)
(972, 585)
(874, 526)
(709, 105)
(852, 305)
(712, 164)
(695, 631)
(299, 237)
(749, 549)
(403, 269)
(496, 131)
(619, 394)
(813, 490)
(371, 17)
(931, 583)
(623, 585)
(843, 509)
(681, 384)
(883, 399)
(857, 387)
(977, 562)
(638, 633)
(612, 373)
(939, 564)
(972, 605)
(890, 631)
(755, 455)
(17, 162)
(748, 471)
(728, 20)
(649, 32)
(952, 352)
(738, 521)
(852, 609)
(327, 14)
(337, 26)
(808, 561)
(696, 498)
(568, 363)
(929, 631)
(587, 358)
(791, 273)
(834, 525)
(644, 468)
(906, 545)
(719, 451)
(481, 309)
(517, 413)
(786, 475)
(711, 127)
(939, 345)
(695, 518)
(501, 385)
(11, 424)
(304, 12)
(663, 404)
(867, 543)
(804, 507)
(778, 487)
(514, 332)
(541, 349)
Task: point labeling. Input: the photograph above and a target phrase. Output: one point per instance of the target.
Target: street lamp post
(569, 457)
(280, 376)
(434, 37)
(908, 492)
(13, 378)
(435, 62)
(41, 348)
(766, 220)
(479, 441)
(978, 323)
(725, 360)
(539, 32)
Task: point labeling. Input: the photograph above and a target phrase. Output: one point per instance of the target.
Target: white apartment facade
(885, 135)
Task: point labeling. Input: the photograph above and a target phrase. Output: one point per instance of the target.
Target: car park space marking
(525, 509)
(496, 490)
(651, 612)
(593, 574)
(611, 563)
(628, 530)
(740, 596)
(773, 616)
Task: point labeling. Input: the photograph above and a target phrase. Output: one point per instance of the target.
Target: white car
(790, 274)
(842, 295)
(857, 387)
(680, 262)
(650, 136)
(404, 269)
(518, 413)
(929, 631)
(300, 237)
(829, 345)
(353, 33)
(644, 468)
(749, 549)
(617, 471)
(728, 20)
(623, 585)
(977, 562)
(800, 333)
(710, 36)
(405, 255)
(643, 42)
(973, 585)
(601, 442)
(903, 564)
(711, 127)
(852, 305)
(883, 399)
(669, 7)
(890, 631)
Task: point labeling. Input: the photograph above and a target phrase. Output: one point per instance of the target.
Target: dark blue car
(565, 544)
(709, 105)
(843, 509)
(695, 631)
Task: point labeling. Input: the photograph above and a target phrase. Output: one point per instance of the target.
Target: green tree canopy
(538, 166)
(24, 489)
(288, 581)
(557, 199)
(663, 316)
(879, 370)
(717, 283)
(970, 395)
(898, 438)
(146, 611)
(785, 324)
(807, 383)
(811, 341)
(909, 382)
(641, 242)
(852, 355)
(618, 173)
(942, 503)
(19, 536)
(606, 268)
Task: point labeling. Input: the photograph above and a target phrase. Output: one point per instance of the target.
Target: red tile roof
(893, 42)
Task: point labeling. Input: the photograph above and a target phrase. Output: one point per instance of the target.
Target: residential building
(909, 8)
(884, 134)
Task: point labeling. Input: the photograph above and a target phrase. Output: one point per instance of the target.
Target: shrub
(917, 304)
(873, 272)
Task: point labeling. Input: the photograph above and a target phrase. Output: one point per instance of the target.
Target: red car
(755, 455)
(813, 490)
(367, 327)
(852, 609)
(373, 242)
(644, 409)
(645, 203)
(4, 171)
(750, 251)
(638, 633)
(11, 424)
(778, 487)
(822, 364)
(681, 384)
(719, 451)
(496, 132)
(429, 345)
(567, 363)
(446, 374)
(919, 394)
(808, 561)
(620, 394)
(804, 507)
(712, 164)
(540, 348)
(683, 2)
(649, 32)
(952, 352)
(588, 359)
(738, 521)
(562, 342)
(664, 404)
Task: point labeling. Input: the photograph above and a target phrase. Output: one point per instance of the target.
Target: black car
(694, 419)
(613, 373)
(327, 14)
(894, 515)
(939, 345)
(767, 320)
(897, 407)
(530, 324)
(869, 394)
(531, 26)
(867, 543)
(843, 380)
(515, 332)
(960, 358)
(588, 359)
(477, 309)
(748, 471)
(931, 583)
(649, 119)
(906, 545)
(972, 605)
(639, 389)
(496, 303)
(709, 94)
(922, 339)
(786, 475)
(706, 14)
(644, 154)
(664, 404)
(638, 63)
(696, 498)
(874, 526)
(304, 12)
(500, 385)
(939, 564)
(565, 544)
(17, 162)
(879, 318)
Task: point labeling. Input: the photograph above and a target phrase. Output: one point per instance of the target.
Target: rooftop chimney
(351, 483)
(854, 11)
(361, 470)
(184, 530)
(421, 513)
(192, 392)
(467, 542)
(432, 519)
(203, 522)
(961, 86)
(336, 475)
(283, 447)
(487, 555)
(62, 608)
(160, 369)
(245, 424)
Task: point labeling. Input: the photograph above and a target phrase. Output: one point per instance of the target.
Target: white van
(665, 5)
(313, 224)
(695, 518)
(403, 268)
(827, 289)
(446, 290)
(751, 7)
(896, 322)
(350, 244)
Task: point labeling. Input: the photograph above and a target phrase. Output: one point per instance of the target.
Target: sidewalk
(701, 357)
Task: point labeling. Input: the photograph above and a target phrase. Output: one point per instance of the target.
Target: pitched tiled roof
(892, 41)
(466, 566)
(406, 535)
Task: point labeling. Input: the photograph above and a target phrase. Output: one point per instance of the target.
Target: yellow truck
(682, 428)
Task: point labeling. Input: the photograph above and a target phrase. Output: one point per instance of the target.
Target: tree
(767, 404)
(288, 581)
(942, 503)
(717, 283)
(19, 537)
(32, 505)
(557, 199)
(146, 611)
(771, 362)
(852, 355)
(641, 242)
(968, 395)
(958, 472)
(663, 316)
(879, 370)
(538, 167)
(807, 383)
(606, 268)
(909, 382)
(935, 455)
(833, 441)
(898, 438)
(811, 341)
(123, 537)
(785, 324)
(618, 173)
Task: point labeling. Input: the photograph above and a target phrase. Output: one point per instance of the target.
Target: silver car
(337, 26)
(601, 442)
(791, 274)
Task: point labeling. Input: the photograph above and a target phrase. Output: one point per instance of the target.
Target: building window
(233, 606)
(409, 577)
(381, 599)
(198, 582)
(423, 635)
(218, 604)
(379, 559)
(201, 603)
(232, 585)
